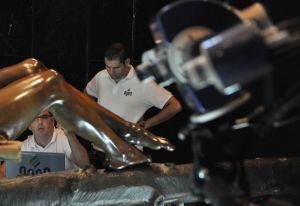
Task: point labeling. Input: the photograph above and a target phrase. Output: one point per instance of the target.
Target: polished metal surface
(22, 69)
(156, 184)
(39, 88)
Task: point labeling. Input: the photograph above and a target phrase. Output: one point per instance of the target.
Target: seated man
(47, 138)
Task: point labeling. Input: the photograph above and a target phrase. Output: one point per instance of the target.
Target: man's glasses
(44, 117)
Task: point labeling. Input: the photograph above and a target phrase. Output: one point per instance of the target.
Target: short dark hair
(116, 51)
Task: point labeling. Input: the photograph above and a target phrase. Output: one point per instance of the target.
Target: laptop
(34, 163)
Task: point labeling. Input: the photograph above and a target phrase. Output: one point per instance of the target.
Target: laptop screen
(34, 163)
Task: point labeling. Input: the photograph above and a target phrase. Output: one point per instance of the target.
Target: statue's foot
(132, 158)
(143, 137)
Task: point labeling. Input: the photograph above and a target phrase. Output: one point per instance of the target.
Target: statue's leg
(22, 100)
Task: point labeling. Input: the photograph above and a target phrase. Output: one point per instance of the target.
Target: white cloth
(129, 98)
(58, 144)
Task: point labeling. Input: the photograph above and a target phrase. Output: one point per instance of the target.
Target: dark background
(70, 36)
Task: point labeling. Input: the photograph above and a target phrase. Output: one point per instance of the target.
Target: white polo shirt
(129, 98)
(58, 144)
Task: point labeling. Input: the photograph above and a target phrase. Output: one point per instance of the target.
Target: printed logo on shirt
(128, 92)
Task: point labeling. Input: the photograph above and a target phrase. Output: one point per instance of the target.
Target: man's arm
(171, 108)
(78, 153)
(92, 97)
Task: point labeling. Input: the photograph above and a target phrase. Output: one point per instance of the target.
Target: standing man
(118, 89)
(47, 138)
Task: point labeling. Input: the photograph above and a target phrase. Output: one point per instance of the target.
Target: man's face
(42, 125)
(116, 69)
